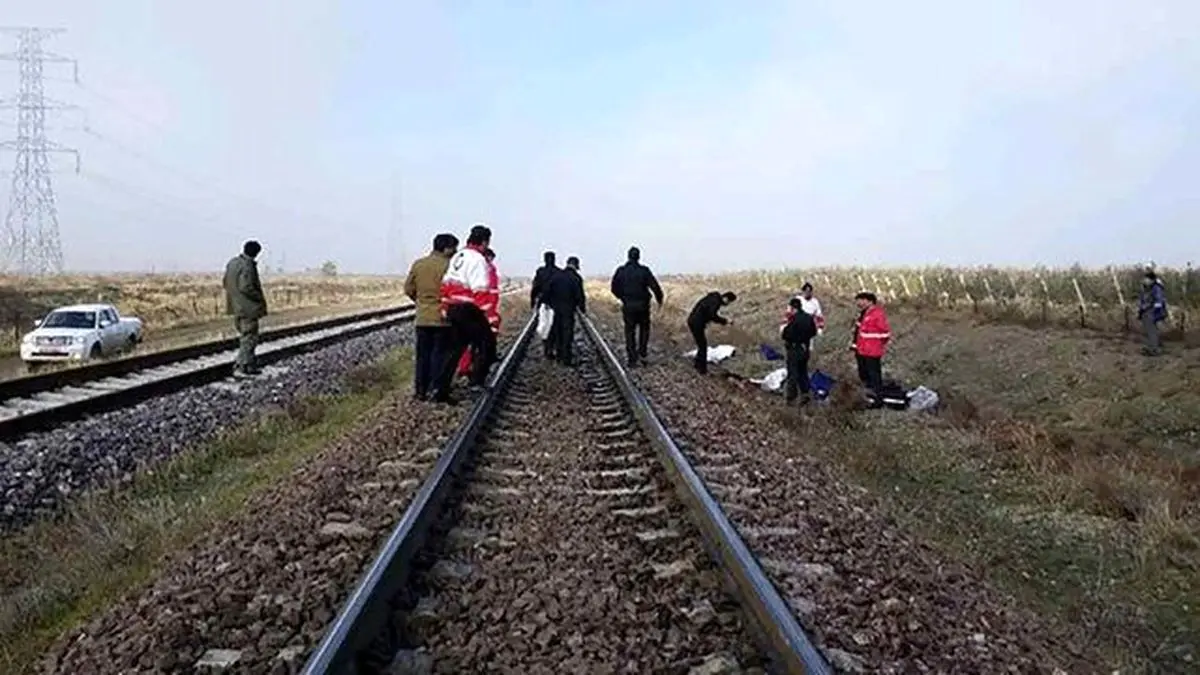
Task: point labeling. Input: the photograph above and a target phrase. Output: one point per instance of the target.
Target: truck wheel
(33, 367)
(133, 342)
(96, 352)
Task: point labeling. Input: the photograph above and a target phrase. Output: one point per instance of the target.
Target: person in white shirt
(809, 305)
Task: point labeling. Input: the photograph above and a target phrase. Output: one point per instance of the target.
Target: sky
(715, 135)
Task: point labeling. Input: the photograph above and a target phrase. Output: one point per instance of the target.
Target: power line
(31, 238)
(209, 185)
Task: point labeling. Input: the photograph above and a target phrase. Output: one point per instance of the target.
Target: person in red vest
(871, 336)
(493, 315)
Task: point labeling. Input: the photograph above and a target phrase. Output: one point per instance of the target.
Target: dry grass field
(169, 302)
(1063, 463)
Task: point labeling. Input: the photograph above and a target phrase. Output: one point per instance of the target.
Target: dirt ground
(1063, 464)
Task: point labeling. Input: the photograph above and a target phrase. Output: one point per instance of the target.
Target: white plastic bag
(715, 354)
(545, 320)
(773, 382)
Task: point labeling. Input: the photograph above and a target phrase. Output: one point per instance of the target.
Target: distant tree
(329, 268)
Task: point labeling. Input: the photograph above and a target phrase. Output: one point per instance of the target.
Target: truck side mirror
(37, 322)
(105, 323)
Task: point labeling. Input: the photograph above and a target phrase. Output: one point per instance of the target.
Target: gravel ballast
(875, 599)
(569, 553)
(259, 591)
(40, 472)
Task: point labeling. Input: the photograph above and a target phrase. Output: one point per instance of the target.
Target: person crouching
(801, 328)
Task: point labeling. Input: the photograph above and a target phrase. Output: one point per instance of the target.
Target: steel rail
(367, 611)
(784, 639)
(51, 407)
(36, 384)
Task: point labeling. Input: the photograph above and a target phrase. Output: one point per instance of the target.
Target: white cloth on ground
(715, 354)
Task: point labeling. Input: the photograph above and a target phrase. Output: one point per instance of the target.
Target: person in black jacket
(632, 284)
(705, 312)
(797, 336)
(565, 296)
(541, 279)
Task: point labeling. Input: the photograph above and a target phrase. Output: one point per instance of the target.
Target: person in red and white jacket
(466, 303)
(494, 288)
(871, 336)
(493, 316)
(810, 305)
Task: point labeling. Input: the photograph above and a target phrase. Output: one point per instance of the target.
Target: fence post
(1082, 303)
(1045, 299)
(904, 284)
(924, 288)
(962, 280)
(1120, 299)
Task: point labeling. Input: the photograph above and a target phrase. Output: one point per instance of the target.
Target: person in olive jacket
(245, 301)
(424, 287)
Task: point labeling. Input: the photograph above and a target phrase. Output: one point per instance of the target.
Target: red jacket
(467, 280)
(493, 315)
(872, 332)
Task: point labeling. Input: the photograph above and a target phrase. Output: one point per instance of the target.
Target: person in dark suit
(565, 296)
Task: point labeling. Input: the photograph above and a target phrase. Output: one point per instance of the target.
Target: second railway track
(563, 531)
(42, 401)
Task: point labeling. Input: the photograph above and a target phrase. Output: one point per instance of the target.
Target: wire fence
(1099, 299)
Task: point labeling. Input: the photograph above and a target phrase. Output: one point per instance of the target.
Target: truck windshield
(70, 320)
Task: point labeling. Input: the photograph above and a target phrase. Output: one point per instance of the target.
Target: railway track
(563, 530)
(42, 401)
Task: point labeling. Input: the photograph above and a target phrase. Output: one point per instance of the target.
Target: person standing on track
(493, 316)
(706, 311)
(541, 279)
(245, 301)
(871, 336)
(565, 296)
(633, 283)
(465, 302)
(797, 338)
(424, 287)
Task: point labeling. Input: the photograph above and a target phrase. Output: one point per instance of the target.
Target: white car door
(110, 332)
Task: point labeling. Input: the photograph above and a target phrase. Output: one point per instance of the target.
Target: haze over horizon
(714, 137)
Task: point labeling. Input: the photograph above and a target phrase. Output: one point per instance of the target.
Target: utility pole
(31, 243)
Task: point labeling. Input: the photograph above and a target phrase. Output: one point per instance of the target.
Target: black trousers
(870, 373)
(637, 332)
(701, 340)
(564, 334)
(797, 372)
(428, 358)
(467, 327)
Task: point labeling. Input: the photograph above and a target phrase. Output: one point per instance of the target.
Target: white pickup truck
(79, 333)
